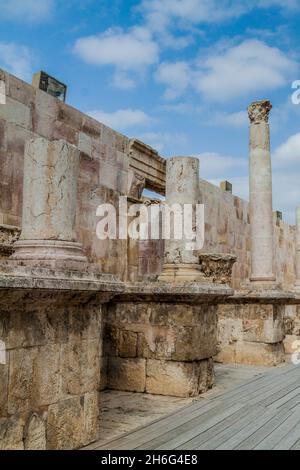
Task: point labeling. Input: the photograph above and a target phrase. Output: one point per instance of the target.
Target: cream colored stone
(65, 424)
(11, 434)
(178, 378)
(126, 374)
(259, 353)
(261, 211)
(35, 433)
(182, 187)
(49, 201)
(291, 344)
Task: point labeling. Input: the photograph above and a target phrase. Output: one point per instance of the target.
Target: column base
(48, 250)
(181, 273)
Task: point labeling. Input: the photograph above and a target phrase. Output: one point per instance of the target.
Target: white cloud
(159, 140)
(163, 13)
(215, 166)
(26, 10)
(121, 119)
(16, 59)
(237, 120)
(247, 68)
(129, 50)
(288, 153)
(176, 76)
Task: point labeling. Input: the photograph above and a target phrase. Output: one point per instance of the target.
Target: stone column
(182, 187)
(298, 249)
(49, 203)
(261, 212)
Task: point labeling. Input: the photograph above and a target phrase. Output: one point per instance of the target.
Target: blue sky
(178, 74)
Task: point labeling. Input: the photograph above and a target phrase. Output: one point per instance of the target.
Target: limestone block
(178, 378)
(91, 417)
(195, 343)
(263, 331)
(15, 113)
(11, 434)
(229, 331)
(20, 380)
(126, 374)
(65, 424)
(35, 433)
(259, 353)
(3, 388)
(156, 342)
(84, 143)
(46, 376)
(291, 344)
(127, 344)
(81, 365)
(227, 354)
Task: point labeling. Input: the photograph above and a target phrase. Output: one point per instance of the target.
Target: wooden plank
(145, 433)
(264, 431)
(206, 424)
(291, 438)
(247, 430)
(291, 403)
(212, 416)
(219, 438)
(185, 432)
(282, 430)
(296, 446)
(212, 432)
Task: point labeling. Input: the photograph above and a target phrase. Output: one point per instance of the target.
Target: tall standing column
(261, 211)
(182, 187)
(49, 202)
(298, 249)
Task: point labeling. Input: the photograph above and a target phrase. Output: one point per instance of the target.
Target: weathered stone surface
(262, 241)
(91, 417)
(3, 388)
(35, 433)
(80, 367)
(291, 344)
(8, 236)
(11, 434)
(46, 375)
(178, 378)
(126, 374)
(65, 424)
(263, 331)
(217, 267)
(259, 353)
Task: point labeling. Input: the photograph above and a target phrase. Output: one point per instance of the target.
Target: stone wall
(160, 348)
(227, 230)
(51, 381)
(112, 165)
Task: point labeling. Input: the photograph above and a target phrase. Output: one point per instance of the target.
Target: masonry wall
(104, 176)
(50, 384)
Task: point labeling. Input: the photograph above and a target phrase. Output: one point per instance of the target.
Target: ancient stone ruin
(79, 315)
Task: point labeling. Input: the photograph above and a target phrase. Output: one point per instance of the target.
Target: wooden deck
(263, 413)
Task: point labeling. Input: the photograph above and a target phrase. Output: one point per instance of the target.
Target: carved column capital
(259, 111)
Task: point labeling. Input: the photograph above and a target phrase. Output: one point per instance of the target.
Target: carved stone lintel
(259, 111)
(136, 185)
